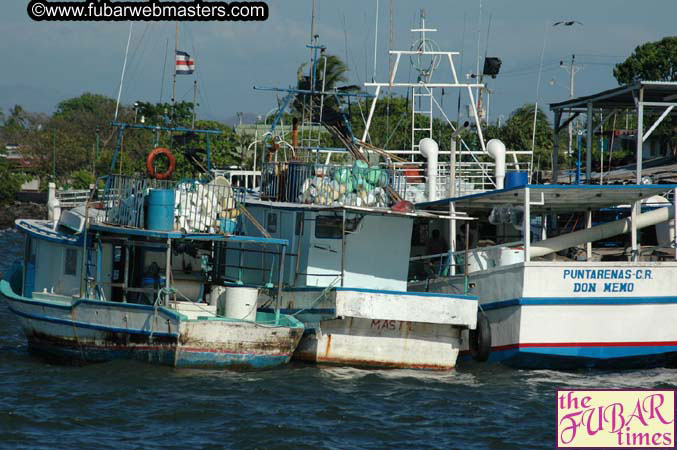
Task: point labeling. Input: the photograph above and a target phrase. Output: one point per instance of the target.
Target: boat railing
(71, 198)
(454, 263)
(475, 170)
(196, 207)
(330, 184)
(434, 266)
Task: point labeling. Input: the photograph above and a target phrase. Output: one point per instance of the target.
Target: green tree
(10, 182)
(653, 61)
(180, 114)
(517, 132)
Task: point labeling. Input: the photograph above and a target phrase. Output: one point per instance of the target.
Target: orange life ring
(151, 158)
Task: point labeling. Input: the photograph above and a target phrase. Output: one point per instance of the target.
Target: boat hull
(94, 331)
(555, 315)
(381, 343)
(375, 328)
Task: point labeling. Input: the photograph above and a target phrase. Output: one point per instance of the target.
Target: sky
(46, 62)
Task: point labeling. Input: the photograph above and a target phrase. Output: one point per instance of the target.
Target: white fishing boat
(130, 275)
(346, 279)
(349, 227)
(572, 276)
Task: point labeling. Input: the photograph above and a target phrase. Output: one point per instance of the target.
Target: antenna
(420, 62)
(373, 78)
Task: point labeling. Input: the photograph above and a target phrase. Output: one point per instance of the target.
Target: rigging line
(479, 38)
(133, 62)
(164, 71)
(366, 52)
(533, 68)
(458, 106)
(124, 67)
(538, 90)
(397, 126)
(600, 56)
(190, 89)
(345, 38)
(201, 82)
(373, 78)
(522, 74)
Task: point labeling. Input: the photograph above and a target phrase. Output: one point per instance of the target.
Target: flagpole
(176, 49)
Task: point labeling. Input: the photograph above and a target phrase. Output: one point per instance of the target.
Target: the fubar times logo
(616, 418)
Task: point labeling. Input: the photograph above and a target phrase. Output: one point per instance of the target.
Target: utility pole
(572, 69)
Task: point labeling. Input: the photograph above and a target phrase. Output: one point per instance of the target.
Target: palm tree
(327, 73)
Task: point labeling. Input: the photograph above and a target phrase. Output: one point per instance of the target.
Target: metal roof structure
(623, 97)
(654, 96)
(546, 198)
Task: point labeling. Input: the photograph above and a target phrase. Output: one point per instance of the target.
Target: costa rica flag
(185, 64)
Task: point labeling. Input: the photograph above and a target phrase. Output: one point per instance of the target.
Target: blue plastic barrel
(228, 225)
(515, 179)
(160, 215)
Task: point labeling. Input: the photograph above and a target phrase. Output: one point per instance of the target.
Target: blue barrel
(160, 215)
(515, 179)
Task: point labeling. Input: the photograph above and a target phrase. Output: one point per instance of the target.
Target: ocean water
(121, 405)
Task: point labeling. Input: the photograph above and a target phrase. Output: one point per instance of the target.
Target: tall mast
(176, 49)
(390, 68)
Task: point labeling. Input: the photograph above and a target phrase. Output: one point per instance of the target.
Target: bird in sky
(567, 23)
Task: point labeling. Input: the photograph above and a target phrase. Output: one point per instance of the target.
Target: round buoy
(151, 159)
(480, 339)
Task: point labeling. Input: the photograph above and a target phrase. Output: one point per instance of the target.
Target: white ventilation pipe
(429, 149)
(665, 232)
(53, 205)
(496, 150)
(603, 231)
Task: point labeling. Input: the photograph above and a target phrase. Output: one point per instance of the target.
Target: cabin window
(299, 223)
(271, 223)
(71, 263)
(329, 227)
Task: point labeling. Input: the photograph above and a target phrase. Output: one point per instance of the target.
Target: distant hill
(31, 98)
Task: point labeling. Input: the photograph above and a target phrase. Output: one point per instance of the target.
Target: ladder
(422, 104)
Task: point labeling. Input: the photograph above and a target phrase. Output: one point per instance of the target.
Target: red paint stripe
(185, 63)
(584, 344)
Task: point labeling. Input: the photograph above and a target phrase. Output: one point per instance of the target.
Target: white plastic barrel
(238, 303)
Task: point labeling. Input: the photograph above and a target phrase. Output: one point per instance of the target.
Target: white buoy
(429, 149)
(496, 150)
